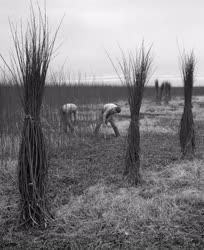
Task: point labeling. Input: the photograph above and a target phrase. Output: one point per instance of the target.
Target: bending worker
(107, 114)
(68, 116)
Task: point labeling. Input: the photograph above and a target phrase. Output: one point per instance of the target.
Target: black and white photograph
(101, 125)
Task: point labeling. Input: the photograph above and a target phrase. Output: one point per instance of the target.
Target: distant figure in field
(106, 116)
(68, 116)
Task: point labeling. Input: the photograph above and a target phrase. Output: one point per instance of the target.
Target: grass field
(93, 206)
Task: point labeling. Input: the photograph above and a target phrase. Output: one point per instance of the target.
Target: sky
(92, 27)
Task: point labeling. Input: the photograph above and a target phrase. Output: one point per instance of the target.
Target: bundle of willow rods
(30, 65)
(187, 133)
(167, 91)
(135, 70)
(162, 88)
(156, 84)
(1, 109)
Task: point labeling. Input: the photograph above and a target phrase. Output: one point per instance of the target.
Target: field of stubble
(93, 206)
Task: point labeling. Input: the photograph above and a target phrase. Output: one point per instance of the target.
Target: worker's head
(118, 109)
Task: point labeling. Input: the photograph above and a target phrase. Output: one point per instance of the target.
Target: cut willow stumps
(33, 54)
(187, 133)
(135, 69)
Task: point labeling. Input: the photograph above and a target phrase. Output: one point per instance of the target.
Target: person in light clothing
(68, 114)
(107, 115)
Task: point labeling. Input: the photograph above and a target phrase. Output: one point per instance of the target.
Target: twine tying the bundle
(29, 117)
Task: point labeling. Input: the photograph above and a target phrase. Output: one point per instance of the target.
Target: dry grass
(131, 218)
(166, 211)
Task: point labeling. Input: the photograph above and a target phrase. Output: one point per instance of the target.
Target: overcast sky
(92, 26)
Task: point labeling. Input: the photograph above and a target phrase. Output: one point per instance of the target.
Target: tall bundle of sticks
(167, 92)
(187, 133)
(1, 109)
(162, 90)
(156, 84)
(135, 69)
(29, 69)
